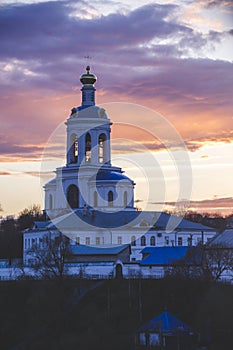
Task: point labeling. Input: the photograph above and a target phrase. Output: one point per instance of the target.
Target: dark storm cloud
(46, 29)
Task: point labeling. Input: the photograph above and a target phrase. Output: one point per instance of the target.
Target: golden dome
(88, 78)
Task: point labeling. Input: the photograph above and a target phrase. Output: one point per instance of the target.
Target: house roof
(163, 255)
(98, 250)
(224, 238)
(165, 322)
(40, 224)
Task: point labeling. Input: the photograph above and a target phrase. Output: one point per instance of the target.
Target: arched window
(88, 148)
(152, 240)
(95, 199)
(102, 139)
(110, 199)
(50, 201)
(133, 241)
(143, 240)
(125, 199)
(73, 149)
(73, 196)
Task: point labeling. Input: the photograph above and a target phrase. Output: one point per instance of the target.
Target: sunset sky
(172, 57)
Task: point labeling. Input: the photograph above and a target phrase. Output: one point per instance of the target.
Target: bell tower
(88, 179)
(88, 129)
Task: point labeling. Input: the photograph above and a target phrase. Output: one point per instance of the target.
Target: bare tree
(50, 256)
(203, 262)
(216, 260)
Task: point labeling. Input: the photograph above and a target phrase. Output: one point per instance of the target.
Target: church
(91, 201)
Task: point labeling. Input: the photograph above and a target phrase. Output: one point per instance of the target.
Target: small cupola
(88, 78)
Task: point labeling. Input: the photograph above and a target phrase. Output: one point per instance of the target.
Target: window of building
(119, 240)
(73, 196)
(95, 199)
(110, 199)
(152, 241)
(133, 241)
(97, 240)
(88, 148)
(166, 240)
(88, 241)
(25, 243)
(125, 199)
(190, 241)
(78, 240)
(143, 240)
(102, 139)
(180, 241)
(50, 201)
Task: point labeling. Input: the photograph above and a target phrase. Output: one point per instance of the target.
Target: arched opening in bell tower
(101, 143)
(88, 148)
(73, 196)
(73, 149)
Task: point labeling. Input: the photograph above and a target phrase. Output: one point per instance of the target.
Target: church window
(88, 241)
(143, 240)
(125, 199)
(152, 241)
(50, 201)
(166, 240)
(119, 240)
(88, 148)
(73, 196)
(97, 240)
(74, 149)
(180, 241)
(110, 199)
(102, 139)
(95, 199)
(133, 241)
(78, 240)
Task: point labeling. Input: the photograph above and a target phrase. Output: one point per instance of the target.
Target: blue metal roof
(105, 175)
(79, 218)
(165, 322)
(40, 224)
(163, 255)
(97, 250)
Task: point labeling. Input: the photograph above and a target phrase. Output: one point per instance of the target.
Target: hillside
(78, 314)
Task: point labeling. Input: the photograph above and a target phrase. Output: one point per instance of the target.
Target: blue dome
(111, 176)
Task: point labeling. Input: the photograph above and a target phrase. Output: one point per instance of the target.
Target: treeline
(11, 232)
(215, 220)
